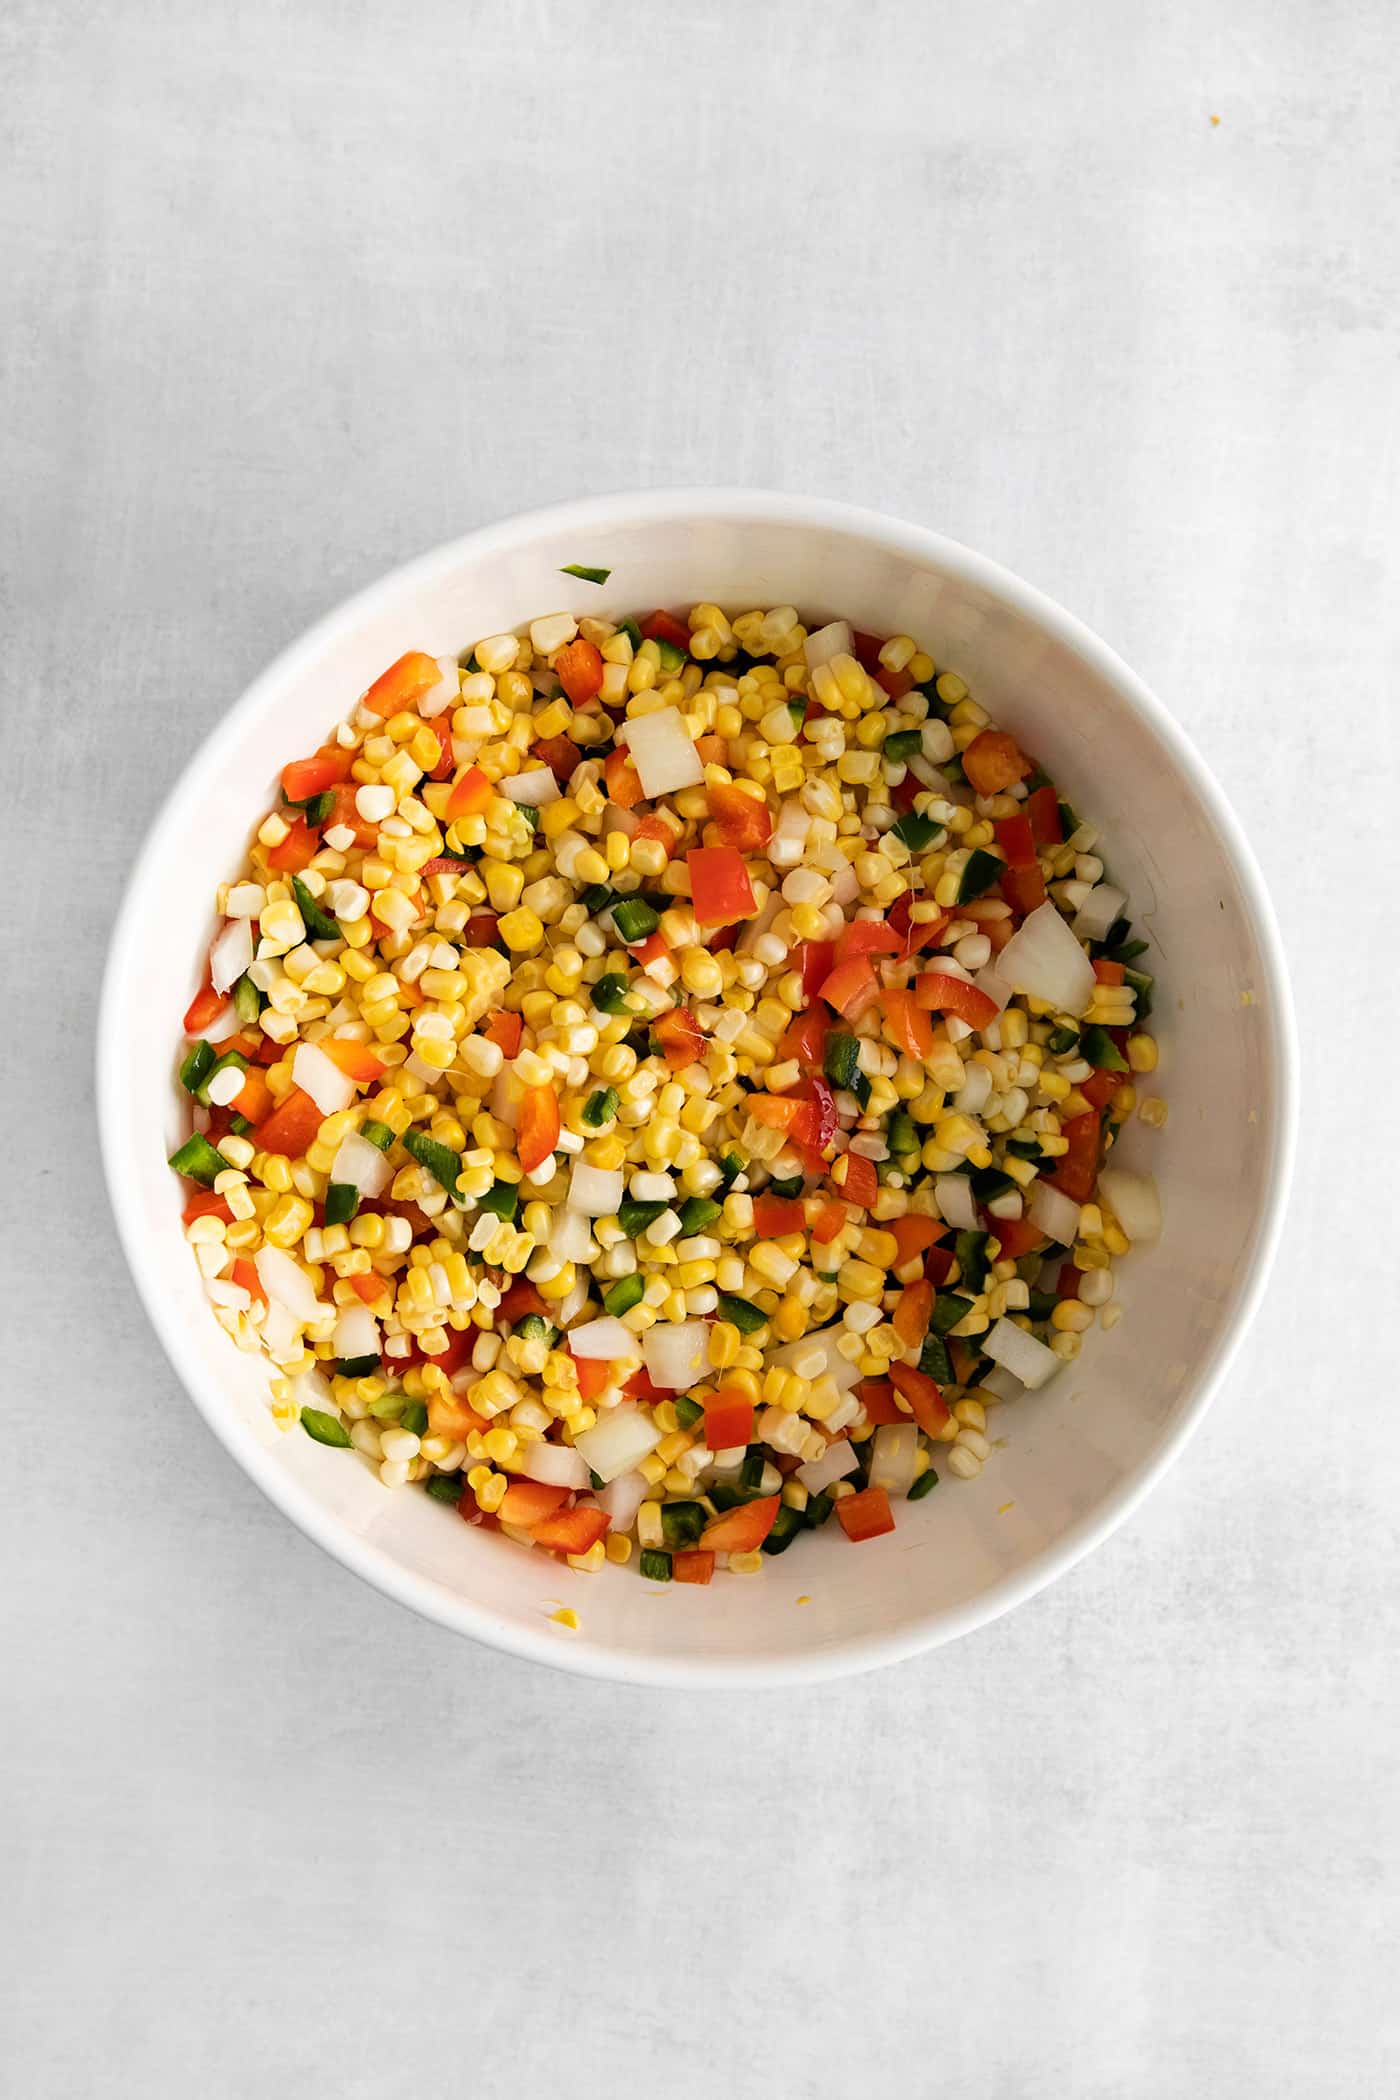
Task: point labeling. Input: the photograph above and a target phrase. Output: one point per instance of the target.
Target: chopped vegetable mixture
(652, 1084)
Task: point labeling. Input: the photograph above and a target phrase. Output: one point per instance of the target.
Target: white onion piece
(595, 1190)
(1134, 1201)
(329, 1087)
(224, 1024)
(833, 640)
(310, 1388)
(974, 1093)
(989, 980)
(1054, 1213)
(894, 1449)
(663, 751)
(287, 1282)
(953, 1195)
(1000, 1384)
(570, 1235)
(755, 927)
(535, 787)
(606, 1338)
(231, 954)
(278, 1331)
(506, 1090)
(557, 1465)
(568, 1308)
(837, 1367)
(835, 1463)
(845, 884)
(1021, 1354)
(1045, 961)
(356, 1332)
(446, 693)
(677, 1352)
(1098, 911)
(618, 1442)
(362, 1164)
(622, 1497)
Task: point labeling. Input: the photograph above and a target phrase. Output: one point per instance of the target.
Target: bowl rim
(579, 1654)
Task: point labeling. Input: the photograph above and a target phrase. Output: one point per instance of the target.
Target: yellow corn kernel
(285, 1224)
(1142, 1053)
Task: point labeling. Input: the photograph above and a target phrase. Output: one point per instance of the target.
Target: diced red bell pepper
(254, 1098)
(905, 793)
(867, 937)
(245, 1274)
(483, 930)
(895, 683)
(741, 1530)
(775, 1215)
(814, 1126)
(206, 1205)
(994, 761)
(859, 1183)
(593, 1373)
(1023, 889)
(1100, 1087)
(831, 1220)
(471, 1512)
(1068, 1280)
(938, 1266)
(529, 1501)
(728, 1419)
(805, 1036)
(1076, 1170)
(291, 1127)
(536, 1126)
(914, 1235)
(560, 753)
(297, 850)
(202, 1009)
(641, 1386)
(815, 960)
(570, 1530)
(1043, 809)
(663, 627)
(907, 1024)
(1016, 840)
(866, 1515)
(851, 987)
(913, 1312)
(306, 777)
(681, 1038)
(695, 1566)
(742, 820)
(358, 1061)
(441, 728)
(719, 885)
(866, 650)
(876, 1396)
(621, 779)
(1017, 1236)
(370, 1289)
(344, 816)
(399, 686)
(1106, 972)
(938, 993)
(517, 1299)
(652, 950)
(452, 1416)
(915, 934)
(504, 1030)
(471, 795)
(579, 669)
(924, 1395)
(658, 828)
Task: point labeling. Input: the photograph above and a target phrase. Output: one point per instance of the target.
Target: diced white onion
(618, 1442)
(1023, 1356)
(622, 1497)
(676, 1353)
(570, 1235)
(845, 884)
(356, 1332)
(506, 1091)
(224, 1024)
(837, 1367)
(974, 1093)
(894, 1449)
(362, 1164)
(835, 1463)
(571, 1304)
(446, 693)
(231, 954)
(663, 751)
(833, 640)
(990, 980)
(606, 1338)
(1045, 961)
(1054, 1213)
(329, 1087)
(1000, 1384)
(1134, 1201)
(557, 1465)
(535, 787)
(287, 1282)
(595, 1190)
(953, 1195)
(311, 1388)
(1098, 912)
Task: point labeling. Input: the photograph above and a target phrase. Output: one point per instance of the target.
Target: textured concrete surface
(293, 293)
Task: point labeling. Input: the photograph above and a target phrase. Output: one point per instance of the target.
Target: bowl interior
(1074, 1454)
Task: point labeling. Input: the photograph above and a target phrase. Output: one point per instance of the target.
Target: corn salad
(654, 1084)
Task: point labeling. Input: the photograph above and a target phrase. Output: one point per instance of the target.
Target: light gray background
(294, 292)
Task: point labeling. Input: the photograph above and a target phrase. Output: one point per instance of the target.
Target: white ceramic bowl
(1080, 1453)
